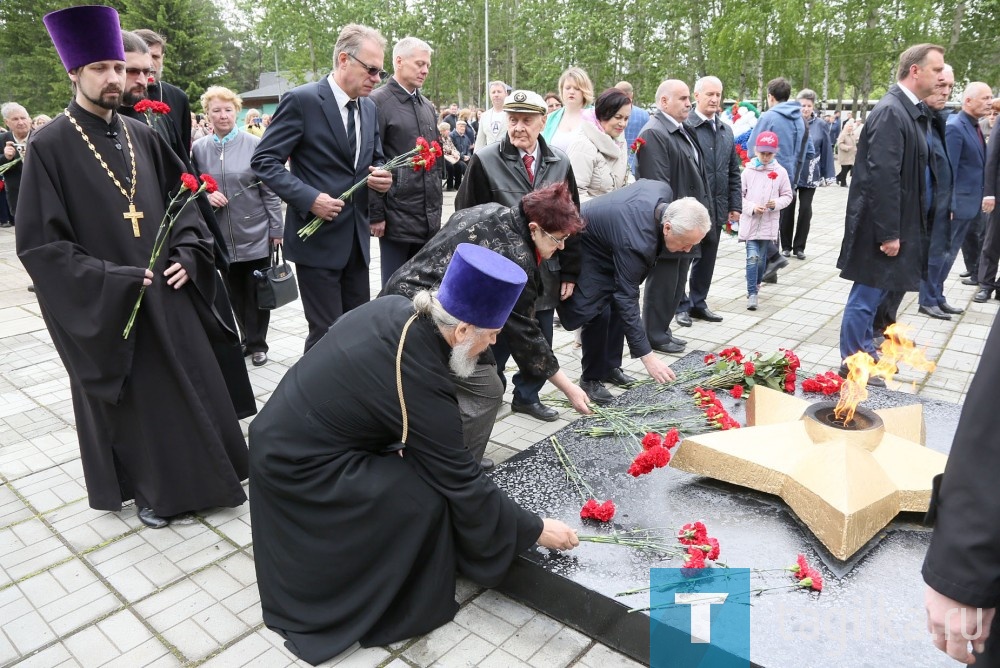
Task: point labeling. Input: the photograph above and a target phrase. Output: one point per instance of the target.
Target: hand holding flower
(379, 179)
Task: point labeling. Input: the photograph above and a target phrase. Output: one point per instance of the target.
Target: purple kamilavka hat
(85, 34)
(480, 287)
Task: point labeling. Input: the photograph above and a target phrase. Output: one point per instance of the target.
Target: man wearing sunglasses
(329, 132)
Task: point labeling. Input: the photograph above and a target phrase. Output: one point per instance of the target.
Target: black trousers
(602, 339)
(664, 291)
(454, 174)
(797, 242)
(702, 269)
(990, 255)
(526, 386)
(845, 171)
(242, 288)
(328, 294)
(394, 255)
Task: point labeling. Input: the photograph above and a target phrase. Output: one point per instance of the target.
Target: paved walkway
(89, 588)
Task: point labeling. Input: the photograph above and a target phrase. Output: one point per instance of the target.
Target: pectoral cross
(134, 216)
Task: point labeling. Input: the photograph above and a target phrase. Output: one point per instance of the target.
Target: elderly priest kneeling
(365, 501)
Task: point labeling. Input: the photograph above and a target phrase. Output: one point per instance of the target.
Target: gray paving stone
(28, 547)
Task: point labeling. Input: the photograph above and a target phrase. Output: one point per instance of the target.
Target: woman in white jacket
(599, 154)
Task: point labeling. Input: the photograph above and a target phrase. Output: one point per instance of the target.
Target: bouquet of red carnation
(152, 110)
(827, 383)
(423, 156)
(732, 368)
(191, 186)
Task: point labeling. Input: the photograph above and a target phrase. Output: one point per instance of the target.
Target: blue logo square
(699, 618)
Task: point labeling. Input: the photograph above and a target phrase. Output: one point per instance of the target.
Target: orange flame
(897, 347)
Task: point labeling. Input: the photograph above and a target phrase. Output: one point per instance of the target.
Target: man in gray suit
(341, 147)
(671, 155)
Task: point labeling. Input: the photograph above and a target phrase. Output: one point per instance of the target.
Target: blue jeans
(857, 329)
(756, 263)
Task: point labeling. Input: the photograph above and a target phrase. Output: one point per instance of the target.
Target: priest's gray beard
(461, 361)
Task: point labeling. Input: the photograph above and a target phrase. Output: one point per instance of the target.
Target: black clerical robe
(153, 415)
(351, 541)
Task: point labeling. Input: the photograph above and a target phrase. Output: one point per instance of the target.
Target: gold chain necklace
(132, 214)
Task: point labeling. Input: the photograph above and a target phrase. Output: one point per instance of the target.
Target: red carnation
(602, 512)
(2, 185)
(715, 549)
(641, 465)
(733, 354)
(151, 80)
(422, 144)
(436, 149)
(660, 456)
(710, 358)
(772, 175)
(737, 392)
(671, 438)
(189, 182)
(142, 106)
(210, 184)
(693, 533)
(651, 440)
(748, 369)
(636, 145)
(695, 558)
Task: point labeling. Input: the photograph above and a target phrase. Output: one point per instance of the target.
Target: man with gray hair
(625, 232)
(722, 167)
(14, 142)
(330, 131)
(493, 123)
(405, 219)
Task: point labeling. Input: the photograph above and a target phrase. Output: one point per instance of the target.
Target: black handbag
(276, 286)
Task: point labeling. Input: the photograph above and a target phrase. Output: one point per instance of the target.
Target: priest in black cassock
(365, 501)
(153, 416)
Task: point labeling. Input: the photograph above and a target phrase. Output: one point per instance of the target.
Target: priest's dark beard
(107, 103)
(129, 98)
(461, 361)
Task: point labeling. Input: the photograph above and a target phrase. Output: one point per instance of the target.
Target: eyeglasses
(556, 240)
(372, 71)
(135, 71)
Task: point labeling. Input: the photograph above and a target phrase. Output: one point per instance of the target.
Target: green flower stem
(571, 471)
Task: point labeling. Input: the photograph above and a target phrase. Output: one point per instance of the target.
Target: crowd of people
(566, 205)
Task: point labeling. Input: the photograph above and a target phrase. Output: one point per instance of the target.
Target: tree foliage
(839, 48)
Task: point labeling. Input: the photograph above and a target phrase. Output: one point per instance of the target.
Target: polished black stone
(870, 612)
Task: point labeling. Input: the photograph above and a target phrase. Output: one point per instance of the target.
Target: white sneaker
(752, 303)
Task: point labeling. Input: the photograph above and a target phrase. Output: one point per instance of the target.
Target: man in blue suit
(967, 152)
(341, 147)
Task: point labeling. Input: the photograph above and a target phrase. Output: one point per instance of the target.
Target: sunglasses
(372, 71)
(135, 71)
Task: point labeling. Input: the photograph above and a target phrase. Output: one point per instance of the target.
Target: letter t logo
(701, 613)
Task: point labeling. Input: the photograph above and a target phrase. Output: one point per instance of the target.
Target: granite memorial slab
(870, 612)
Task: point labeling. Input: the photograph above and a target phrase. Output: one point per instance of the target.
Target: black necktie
(714, 128)
(352, 135)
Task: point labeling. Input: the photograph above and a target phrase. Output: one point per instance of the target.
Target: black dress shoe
(31, 288)
(618, 377)
(705, 314)
(670, 346)
(683, 319)
(934, 312)
(799, 255)
(596, 392)
(982, 296)
(948, 308)
(486, 463)
(773, 267)
(537, 410)
(965, 274)
(151, 519)
(259, 359)
(676, 339)
(969, 281)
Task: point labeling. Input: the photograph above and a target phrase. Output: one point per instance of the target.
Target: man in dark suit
(13, 143)
(722, 168)
(671, 155)
(885, 237)
(990, 256)
(966, 156)
(967, 152)
(625, 232)
(341, 147)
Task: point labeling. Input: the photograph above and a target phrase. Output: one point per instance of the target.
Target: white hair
(686, 215)
(407, 46)
(699, 85)
(10, 108)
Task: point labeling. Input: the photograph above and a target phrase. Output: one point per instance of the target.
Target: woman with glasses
(249, 214)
